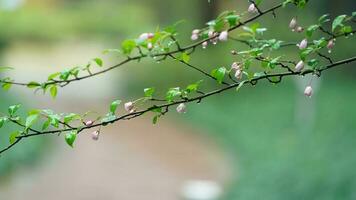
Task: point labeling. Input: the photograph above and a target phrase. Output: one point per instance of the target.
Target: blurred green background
(282, 145)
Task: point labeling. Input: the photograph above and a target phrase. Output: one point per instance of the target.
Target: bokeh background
(265, 142)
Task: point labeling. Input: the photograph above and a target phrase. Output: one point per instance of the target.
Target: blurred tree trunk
(208, 11)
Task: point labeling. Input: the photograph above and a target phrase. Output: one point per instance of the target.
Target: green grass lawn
(281, 153)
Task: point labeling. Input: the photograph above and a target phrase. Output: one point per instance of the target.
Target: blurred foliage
(85, 19)
(24, 156)
(278, 155)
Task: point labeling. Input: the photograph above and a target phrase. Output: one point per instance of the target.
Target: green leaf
(70, 117)
(54, 75)
(31, 119)
(193, 87)
(149, 92)
(272, 64)
(12, 109)
(217, 24)
(98, 61)
(304, 53)
(114, 105)
(70, 138)
(219, 74)
(6, 86)
(311, 29)
(108, 118)
(338, 22)
(346, 29)
(2, 122)
(300, 3)
(313, 63)
(173, 28)
(127, 46)
(286, 2)
(64, 75)
(240, 85)
(53, 91)
(13, 137)
(46, 124)
(33, 84)
(172, 93)
(232, 19)
(155, 119)
(74, 71)
(54, 118)
(324, 19)
(185, 57)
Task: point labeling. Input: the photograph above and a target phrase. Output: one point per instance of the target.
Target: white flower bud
(235, 66)
(300, 29)
(238, 74)
(303, 44)
(181, 108)
(194, 37)
(308, 91)
(331, 44)
(252, 8)
(143, 36)
(89, 123)
(149, 45)
(223, 36)
(129, 106)
(95, 135)
(195, 32)
(205, 44)
(293, 23)
(300, 66)
(233, 52)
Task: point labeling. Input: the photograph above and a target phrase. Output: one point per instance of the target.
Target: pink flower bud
(303, 44)
(194, 37)
(129, 106)
(252, 8)
(149, 45)
(150, 35)
(238, 74)
(95, 135)
(181, 108)
(143, 36)
(195, 32)
(293, 23)
(223, 36)
(331, 44)
(89, 123)
(205, 44)
(300, 29)
(300, 66)
(308, 91)
(235, 66)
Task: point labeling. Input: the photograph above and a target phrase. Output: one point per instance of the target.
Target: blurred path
(132, 160)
